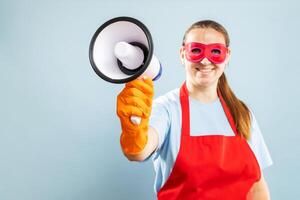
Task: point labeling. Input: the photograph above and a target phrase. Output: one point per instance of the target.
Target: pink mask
(196, 52)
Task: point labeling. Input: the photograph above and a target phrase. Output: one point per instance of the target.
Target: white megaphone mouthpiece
(130, 56)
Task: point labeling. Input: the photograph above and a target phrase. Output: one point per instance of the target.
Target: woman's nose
(205, 61)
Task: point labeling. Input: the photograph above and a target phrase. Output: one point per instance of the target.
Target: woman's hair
(238, 109)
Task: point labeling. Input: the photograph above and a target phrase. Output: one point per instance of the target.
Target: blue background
(59, 134)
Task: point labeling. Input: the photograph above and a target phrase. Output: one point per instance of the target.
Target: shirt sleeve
(258, 145)
(160, 119)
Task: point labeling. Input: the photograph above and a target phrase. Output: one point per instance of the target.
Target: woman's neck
(204, 94)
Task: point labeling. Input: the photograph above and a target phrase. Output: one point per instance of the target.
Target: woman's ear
(228, 56)
(181, 54)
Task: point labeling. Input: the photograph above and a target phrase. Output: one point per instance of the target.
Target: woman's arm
(259, 190)
(152, 144)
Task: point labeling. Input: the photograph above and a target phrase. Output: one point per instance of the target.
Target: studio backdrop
(59, 132)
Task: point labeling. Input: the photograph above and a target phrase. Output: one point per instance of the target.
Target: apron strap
(185, 110)
(227, 112)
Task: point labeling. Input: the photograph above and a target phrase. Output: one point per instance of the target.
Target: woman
(204, 142)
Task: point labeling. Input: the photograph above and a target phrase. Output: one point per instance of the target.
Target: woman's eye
(196, 51)
(216, 51)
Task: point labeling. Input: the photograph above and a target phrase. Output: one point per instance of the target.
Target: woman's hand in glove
(135, 100)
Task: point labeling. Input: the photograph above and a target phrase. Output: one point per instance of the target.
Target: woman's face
(203, 73)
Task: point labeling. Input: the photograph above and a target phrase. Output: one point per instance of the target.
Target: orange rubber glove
(135, 100)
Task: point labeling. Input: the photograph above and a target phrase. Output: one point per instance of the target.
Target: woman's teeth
(204, 70)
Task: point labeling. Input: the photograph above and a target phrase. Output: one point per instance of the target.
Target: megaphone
(121, 50)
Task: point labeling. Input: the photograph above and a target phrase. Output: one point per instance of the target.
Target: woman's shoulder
(169, 98)
(257, 143)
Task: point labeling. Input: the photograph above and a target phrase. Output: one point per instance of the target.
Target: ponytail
(238, 109)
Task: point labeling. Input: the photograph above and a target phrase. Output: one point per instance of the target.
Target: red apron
(210, 167)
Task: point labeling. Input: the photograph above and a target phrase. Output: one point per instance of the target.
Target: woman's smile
(204, 71)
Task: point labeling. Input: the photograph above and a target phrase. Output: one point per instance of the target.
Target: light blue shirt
(205, 119)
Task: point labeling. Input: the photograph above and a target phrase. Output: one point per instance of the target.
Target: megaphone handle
(135, 120)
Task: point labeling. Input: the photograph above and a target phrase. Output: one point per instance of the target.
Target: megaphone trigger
(135, 120)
